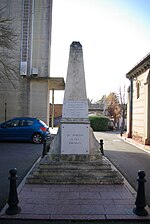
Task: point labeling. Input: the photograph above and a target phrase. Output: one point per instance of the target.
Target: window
(26, 123)
(13, 123)
(138, 89)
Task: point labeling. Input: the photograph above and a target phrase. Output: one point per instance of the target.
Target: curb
(134, 143)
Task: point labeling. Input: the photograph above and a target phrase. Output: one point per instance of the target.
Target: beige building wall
(27, 97)
(11, 89)
(39, 100)
(41, 36)
(140, 108)
(40, 59)
(128, 112)
(147, 110)
(138, 119)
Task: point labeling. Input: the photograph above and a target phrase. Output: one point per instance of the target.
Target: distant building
(98, 108)
(57, 114)
(95, 108)
(138, 112)
(92, 108)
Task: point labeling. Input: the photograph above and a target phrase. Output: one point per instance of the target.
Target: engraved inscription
(75, 139)
(75, 109)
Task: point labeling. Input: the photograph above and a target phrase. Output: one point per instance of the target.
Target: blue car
(24, 129)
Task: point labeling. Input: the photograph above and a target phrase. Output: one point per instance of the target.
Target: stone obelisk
(75, 136)
(75, 123)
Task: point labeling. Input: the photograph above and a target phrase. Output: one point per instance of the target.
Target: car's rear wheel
(37, 138)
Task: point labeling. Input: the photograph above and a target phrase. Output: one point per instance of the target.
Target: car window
(13, 123)
(42, 122)
(26, 123)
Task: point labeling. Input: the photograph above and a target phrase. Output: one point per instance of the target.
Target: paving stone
(76, 202)
(69, 195)
(93, 209)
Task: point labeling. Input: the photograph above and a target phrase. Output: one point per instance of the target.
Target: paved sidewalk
(135, 142)
(76, 202)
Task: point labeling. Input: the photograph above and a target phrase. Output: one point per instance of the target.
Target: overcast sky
(115, 35)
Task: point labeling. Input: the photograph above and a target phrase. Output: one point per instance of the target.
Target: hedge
(99, 123)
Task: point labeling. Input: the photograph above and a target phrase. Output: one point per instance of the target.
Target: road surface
(128, 159)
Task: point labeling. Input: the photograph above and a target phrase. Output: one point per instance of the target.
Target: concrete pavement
(76, 202)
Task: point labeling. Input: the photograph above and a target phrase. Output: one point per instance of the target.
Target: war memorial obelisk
(74, 156)
(75, 123)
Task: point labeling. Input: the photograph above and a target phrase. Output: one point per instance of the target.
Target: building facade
(138, 114)
(29, 94)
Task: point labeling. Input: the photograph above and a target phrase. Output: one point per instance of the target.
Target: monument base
(74, 170)
(57, 168)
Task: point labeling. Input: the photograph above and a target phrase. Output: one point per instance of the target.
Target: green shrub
(99, 123)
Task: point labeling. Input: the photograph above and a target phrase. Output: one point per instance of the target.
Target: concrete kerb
(131, 189)
(21, 185)
(133, 142)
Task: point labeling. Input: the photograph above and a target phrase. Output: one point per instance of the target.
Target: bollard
(48, 147)
(101, 146)
(140, 199)
(121, 131)
(13, 201)
(44, 148)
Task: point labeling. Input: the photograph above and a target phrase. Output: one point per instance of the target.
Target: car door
(25, 129)
(9, 130)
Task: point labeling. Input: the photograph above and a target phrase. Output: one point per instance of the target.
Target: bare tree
(8, 38)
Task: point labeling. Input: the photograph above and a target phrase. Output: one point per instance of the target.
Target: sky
(115, 36)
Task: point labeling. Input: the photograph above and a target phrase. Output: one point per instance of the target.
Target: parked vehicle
(24, 129)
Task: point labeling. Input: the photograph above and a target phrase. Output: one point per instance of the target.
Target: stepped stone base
(57, 168)
(74, 169)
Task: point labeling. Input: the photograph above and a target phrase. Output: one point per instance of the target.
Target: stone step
(75, 157)
(73, 173)
(100, 162)
(73, 170)
(78, 176)
(76, 180)
(75, 167)
(76, 164)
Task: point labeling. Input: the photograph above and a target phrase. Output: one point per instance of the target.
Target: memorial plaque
(75, 139)
(75, 109)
